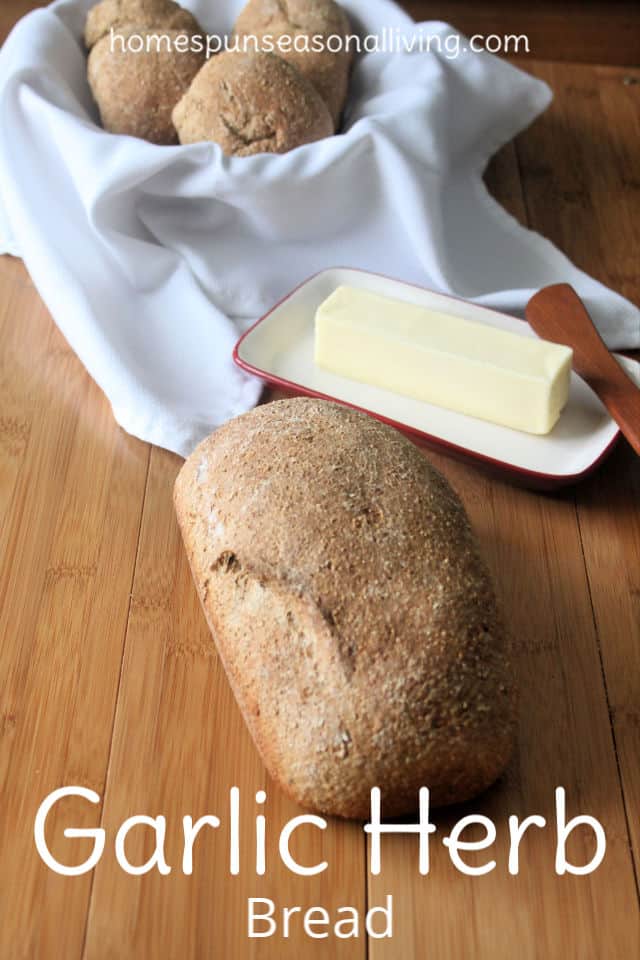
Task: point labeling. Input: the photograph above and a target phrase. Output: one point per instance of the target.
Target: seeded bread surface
(357, 623)
(136, 92)
(328, 71)
(251, 103)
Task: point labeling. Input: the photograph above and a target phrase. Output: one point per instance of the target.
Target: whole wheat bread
(356, 621)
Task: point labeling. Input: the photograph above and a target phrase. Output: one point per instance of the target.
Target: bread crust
(356, 621)
(136, 92)
(251, 103)
(326, 70)
(137, 15)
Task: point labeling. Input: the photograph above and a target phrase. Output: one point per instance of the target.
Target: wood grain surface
(109, 679)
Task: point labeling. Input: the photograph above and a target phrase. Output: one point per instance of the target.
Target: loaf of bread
(136, 92)
(251, 103)
(355, 619)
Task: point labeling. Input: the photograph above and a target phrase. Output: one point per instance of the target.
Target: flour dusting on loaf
(356, 621)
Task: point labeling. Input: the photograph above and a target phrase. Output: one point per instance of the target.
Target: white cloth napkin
(153, 259)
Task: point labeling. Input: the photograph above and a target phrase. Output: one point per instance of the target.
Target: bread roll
(137, 15)
(136, 92)
(327, 71)
(356, 621)
(251, 103)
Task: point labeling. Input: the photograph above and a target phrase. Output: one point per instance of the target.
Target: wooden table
(109, 678)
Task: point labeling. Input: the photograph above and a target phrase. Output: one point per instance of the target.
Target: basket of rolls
(279, 80)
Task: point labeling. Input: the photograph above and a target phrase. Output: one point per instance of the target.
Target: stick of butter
(438, 358)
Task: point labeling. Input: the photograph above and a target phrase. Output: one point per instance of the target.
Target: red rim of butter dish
(513, 472)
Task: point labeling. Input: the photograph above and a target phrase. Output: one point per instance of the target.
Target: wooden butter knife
(558, 314)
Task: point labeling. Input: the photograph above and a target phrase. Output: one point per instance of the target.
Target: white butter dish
(279, 348)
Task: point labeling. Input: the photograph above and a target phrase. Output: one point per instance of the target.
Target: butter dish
(279, 348)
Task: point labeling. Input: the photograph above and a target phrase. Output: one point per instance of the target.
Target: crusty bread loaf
(251, 103)
(137, 15)
(356, 621)
(303, 20)
(136, 92)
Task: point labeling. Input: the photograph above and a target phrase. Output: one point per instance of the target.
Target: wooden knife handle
(620, 396)
(557, 313)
